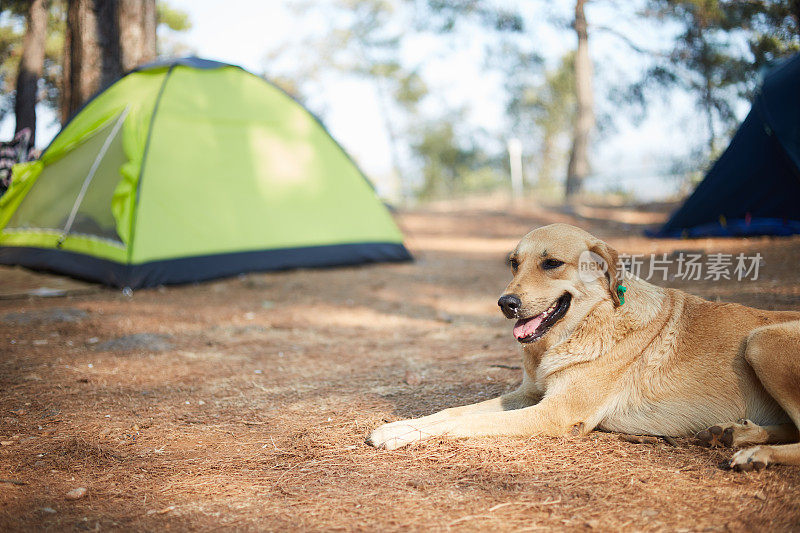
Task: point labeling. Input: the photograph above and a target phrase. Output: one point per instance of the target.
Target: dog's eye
(514, 264)
(550, 264)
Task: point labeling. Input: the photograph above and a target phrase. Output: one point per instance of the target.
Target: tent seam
(144, 162)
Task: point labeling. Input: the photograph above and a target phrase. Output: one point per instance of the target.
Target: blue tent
(754, 187)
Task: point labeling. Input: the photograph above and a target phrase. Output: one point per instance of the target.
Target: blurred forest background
(555, 110)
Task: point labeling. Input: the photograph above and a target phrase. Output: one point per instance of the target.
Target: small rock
(19, 412)
(760, 495)
(6, 442)
(48, 510)
(76, 494)
(412, 378)
(593, 524)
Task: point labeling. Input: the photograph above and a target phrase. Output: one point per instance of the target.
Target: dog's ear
(610, 256)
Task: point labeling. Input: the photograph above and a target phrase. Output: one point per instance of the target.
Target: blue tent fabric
(754, 187)
(189, 61)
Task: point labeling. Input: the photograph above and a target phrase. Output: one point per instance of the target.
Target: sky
(630, 155)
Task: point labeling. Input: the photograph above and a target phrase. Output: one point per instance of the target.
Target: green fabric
(103, 249)
(232, 164)
(23, 177)
(268, 175)
(48, 205)
(134, 140)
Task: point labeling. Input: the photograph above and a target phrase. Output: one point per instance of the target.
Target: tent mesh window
(68, 199)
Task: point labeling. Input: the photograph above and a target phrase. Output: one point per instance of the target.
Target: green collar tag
(621, 293)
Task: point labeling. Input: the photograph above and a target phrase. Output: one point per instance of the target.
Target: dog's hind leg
(774, 354)
(746, 433)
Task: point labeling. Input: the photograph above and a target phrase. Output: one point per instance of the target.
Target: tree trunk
(578, 167)
(104, 40)
(82, 58)
(137, 32)
(398, 192)
(708, 91)
(150, 26)
(108, 39)
(31, 65)
(708, 108)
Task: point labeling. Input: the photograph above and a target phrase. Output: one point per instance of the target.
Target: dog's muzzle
(510, 304)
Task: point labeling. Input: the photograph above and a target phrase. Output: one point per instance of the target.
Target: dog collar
(621, 293)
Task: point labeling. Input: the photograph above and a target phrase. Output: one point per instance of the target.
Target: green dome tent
(189, 170)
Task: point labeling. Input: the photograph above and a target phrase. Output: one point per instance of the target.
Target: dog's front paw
(398, 434)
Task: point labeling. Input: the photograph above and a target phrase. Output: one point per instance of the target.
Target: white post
(515, 160)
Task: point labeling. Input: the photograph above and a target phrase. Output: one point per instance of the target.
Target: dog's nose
(510, 304)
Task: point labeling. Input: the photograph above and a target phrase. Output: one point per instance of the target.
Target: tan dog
(664, 363)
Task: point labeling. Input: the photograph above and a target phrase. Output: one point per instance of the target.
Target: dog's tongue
(525, 328)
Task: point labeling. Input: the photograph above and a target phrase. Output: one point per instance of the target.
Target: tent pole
(100, 155)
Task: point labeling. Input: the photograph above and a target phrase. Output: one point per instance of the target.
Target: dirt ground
(243, 404)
